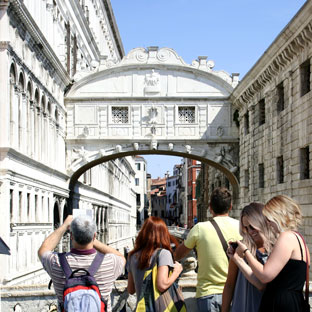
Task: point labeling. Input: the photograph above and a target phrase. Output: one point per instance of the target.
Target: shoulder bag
(152, 300)
(221, 237)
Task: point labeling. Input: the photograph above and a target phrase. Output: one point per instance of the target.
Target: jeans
(211, 303)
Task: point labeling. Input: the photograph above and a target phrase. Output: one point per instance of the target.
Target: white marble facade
(70, 99)
(43, 46)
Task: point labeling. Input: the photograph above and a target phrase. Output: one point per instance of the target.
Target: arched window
(43, 104)
(36, 97)
(13, 74)
(49, 108)
(21, 82)
(29, 91)
(56, 117)
(66, 212)
(56, 216)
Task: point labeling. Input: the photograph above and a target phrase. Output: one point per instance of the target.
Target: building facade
(140, 189)
(159, 197)
(274, 101)
(44, 46)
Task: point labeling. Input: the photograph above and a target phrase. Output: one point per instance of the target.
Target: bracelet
(245, 251)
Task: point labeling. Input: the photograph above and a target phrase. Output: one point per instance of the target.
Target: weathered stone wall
(275, 114)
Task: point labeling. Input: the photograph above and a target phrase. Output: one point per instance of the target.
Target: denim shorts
(211, 303)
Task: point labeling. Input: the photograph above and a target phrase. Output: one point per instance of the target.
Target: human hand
(177, 267)
(231, 250)
(240, 249)
(68, 221)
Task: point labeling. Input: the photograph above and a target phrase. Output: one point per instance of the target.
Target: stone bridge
(152, 102)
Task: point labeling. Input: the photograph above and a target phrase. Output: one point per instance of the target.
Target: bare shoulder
(287, 235)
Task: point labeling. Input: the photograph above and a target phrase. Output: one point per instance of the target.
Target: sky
(234, 34)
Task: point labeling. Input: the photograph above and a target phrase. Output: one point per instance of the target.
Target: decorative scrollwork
(163, 55)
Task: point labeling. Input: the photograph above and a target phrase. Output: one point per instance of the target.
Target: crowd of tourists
(257, 263)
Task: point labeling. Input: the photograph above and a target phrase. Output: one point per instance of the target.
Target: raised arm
(54, 238)
(280, 255)
(102, 248)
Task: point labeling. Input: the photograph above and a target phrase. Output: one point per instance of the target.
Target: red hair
(153, 234)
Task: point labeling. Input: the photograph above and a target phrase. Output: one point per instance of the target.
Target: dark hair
(220, 200)
(153, 234)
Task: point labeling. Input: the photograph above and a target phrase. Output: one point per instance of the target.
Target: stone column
(23, 123)
(32, 140)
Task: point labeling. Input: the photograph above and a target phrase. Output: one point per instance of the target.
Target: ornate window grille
(120, 115)
(186, 114)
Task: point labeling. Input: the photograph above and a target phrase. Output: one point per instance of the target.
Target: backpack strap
(221, 237)
(97, 261)
(64, 264)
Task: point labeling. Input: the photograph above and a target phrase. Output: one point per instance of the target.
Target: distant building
(140, 189)
(173, 208)
(159, 197)
(193, 169)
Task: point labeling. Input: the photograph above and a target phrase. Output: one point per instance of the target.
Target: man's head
(220, 201)
(83, 229)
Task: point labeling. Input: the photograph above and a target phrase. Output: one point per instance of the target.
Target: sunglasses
(250, 228)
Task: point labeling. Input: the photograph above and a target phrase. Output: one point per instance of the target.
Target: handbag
(306, 306)
(152, 300)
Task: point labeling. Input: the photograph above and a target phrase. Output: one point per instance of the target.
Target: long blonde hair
(284, 212)
(253, 212)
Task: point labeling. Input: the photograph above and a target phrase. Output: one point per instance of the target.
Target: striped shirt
(111, 267)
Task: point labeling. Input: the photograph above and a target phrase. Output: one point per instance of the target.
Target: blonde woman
(285, 270)
(243, 291)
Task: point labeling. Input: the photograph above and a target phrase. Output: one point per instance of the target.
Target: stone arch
(56, 215)
(43, 103)
(13, 73)
(37, 97)
(85, 164)
(29, 90)
(21, 81)
(56, 116)
(49, 108)
(152, 102)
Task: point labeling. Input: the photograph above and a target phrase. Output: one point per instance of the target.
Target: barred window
(304, 163)
(246, 178)
(280, 95)
(261, 175)
(246, 122)
(120, 115)
(186, 114)
(305, 73)
(280, 169)
(261, 110)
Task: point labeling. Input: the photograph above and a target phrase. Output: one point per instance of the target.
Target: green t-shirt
(212, 260)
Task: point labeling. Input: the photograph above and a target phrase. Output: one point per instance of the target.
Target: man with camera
(212, 259)
(84, 250)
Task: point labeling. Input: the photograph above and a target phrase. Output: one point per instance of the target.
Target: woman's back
(285, 291)
(165, 258)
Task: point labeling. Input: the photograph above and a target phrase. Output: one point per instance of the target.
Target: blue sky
(234, 34)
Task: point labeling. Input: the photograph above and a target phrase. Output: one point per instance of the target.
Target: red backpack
(81, 292)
